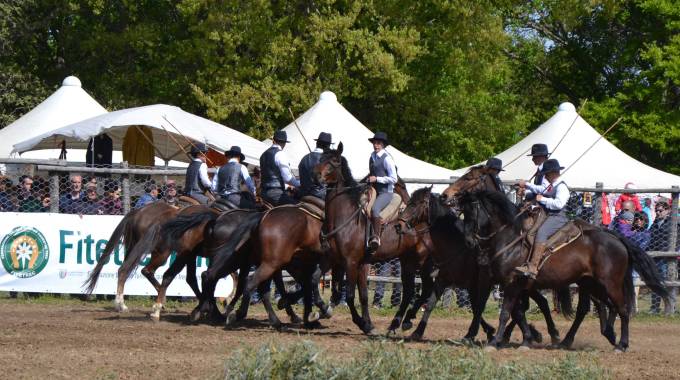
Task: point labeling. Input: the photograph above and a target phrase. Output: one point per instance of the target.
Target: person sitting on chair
(309, 185)
(382, 176)
(275, 172)
(196, 180)
(228, 179)
(553, 199)
(495, 167)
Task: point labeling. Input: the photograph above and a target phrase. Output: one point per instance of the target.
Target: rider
(309, 185)
(553, 199)
(228, 179)
(495, 167)
(539, 154)
(383, 176)
(276, 172)
(196, 180)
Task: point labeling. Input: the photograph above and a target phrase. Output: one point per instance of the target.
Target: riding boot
(374, 241)
(530, 269)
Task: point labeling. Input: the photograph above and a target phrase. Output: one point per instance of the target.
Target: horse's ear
(430, 188)
(340, 147)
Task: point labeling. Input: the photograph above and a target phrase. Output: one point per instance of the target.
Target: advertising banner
(54, 253)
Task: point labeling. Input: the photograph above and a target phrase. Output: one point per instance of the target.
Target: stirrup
(526, 271)
(373, 244)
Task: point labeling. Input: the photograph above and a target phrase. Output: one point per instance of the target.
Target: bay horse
(346, 228)
(600, 262)
(477, 178)
(458, 266)
(131, 230)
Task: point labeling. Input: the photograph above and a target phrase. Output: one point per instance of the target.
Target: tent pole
(299, 130)
(188, 140)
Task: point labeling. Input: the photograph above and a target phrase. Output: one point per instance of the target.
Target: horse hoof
(195, 316)
(538, 338)
(295, 320)
(490, 348)
(619, 350)
(154, 317)
(231, 319)
(391, 333)
(314, 317)
(327, 314)
(415, 336)
(121, 308)
(312, 325)
(523, 348)
(405, 326)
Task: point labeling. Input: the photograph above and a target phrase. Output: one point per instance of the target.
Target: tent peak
(566, 107)
(328, 96)
(71, 81)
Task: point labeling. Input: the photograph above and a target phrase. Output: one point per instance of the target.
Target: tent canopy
(174, 131)
(327, 115)
(604, 162)
(69, 104)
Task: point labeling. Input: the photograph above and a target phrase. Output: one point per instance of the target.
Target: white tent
(327, 115)
(69, 104)
(601, 160)
(174, 131)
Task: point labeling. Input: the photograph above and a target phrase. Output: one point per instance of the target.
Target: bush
(386, 360)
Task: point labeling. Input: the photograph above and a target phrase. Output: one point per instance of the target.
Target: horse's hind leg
(426, 289)
(191, 272)
(309, 281)
(168, 276)
(284, 301)
(119, 303)
(544, 307)
(263, 273)
(408, 280)
(429, 306)
(581, 311)
(158, 258)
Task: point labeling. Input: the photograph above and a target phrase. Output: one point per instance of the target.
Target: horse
(599, 261)
(131, 229)
(477, 178)
(346, 237)
(458, 265)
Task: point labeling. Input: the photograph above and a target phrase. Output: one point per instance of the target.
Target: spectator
(660, 241)
(28, 200)
(640, 234)
(6, 203)
(70, 203)
(648, 209)
(628, 197)
(111, 204)
(150, 195)
(170, 193)
(90, 205)
(45, 202)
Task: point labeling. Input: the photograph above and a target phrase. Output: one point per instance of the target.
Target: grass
(388, 360)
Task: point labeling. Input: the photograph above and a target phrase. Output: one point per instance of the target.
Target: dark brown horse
(477, 178)
(458, 265)
(131, 229)
(600, 262)
(345, 229)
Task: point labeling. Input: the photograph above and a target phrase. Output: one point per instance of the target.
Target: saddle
(313, 206)
(571, 231)
(222, 204)
(389, 213)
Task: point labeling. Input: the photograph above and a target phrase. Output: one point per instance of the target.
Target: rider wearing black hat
(309, 185)
(197, 180)
(553, 198)
(228, 179)
(495, 166)
(275, 172)
(382, 175)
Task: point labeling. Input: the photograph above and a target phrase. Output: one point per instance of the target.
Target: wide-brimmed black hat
(281, 136)
(325, 138)
(198, 148)
(539, 150)
(380, 136)
(235, 151)
(551, 165)
(495, 163)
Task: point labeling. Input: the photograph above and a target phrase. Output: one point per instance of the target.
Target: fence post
(673, 245)
(597, 204)
(126, 189)
(54, 191)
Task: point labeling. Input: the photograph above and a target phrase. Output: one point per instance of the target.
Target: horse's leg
(408, 280)
(607, 318)
(191, 273)
(581, 311)
(158, 258)
(544, 306)
(278, 283)
(426, 290)
(479, 294)
(429, 307)
(362, 280)
(238, 293)
(509, 301)
(264, 289)
(326, 310)
(352, 274)
(308, 284)
(263, 273)
(519, 315)
(168, 276)
(119, 303)
(617, 297)
(207, 299)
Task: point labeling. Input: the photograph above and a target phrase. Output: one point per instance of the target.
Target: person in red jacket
(628, 197)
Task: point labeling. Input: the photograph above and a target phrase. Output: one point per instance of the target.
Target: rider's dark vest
(192, 184)
(538, 179)
(271, 174)
(229, 178)
(499, 184)
(376, 167)
(551, 194)
(308, 183)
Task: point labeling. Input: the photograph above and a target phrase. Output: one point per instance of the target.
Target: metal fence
(647, 216)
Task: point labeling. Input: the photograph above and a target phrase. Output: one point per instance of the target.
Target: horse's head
(478, 178)
(485, 213)
(329, 169)
(418, 208)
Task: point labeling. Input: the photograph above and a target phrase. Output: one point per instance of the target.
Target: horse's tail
(121, 231)
(134, 256)
(173, 230)
(564, 299)
(645, 266)
(237, 239)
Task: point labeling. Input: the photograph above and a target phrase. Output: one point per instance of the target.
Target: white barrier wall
(54, 253)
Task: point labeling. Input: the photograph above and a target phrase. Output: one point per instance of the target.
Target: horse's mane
(507, 211)
(476, 167)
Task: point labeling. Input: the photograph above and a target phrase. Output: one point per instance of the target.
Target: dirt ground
(90, 340)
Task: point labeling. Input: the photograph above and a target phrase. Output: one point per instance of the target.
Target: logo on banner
(24, 252)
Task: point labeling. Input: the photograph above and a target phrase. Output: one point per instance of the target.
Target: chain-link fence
(649, 217)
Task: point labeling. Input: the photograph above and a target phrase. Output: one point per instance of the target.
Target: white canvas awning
(174, 131)
(601, 161)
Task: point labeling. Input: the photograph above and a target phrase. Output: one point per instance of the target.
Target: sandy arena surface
(90, 340)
